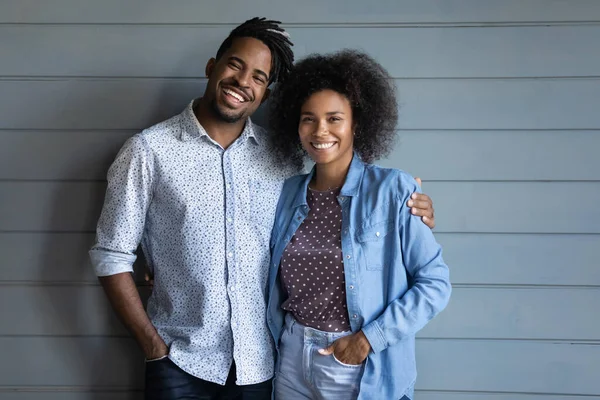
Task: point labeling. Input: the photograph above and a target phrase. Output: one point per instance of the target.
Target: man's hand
(149, 278)
(157, 349)
(352, 349)
(421, 205)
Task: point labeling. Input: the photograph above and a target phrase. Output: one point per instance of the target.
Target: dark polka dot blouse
(312, 269)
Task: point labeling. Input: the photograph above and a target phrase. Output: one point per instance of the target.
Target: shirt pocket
(372, 240)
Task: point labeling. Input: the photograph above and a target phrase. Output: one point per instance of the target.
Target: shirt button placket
(229, 240)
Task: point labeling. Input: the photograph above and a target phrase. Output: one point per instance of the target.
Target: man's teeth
(234, 94)
(323, 145)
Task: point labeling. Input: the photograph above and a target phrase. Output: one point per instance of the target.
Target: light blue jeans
(303, 373)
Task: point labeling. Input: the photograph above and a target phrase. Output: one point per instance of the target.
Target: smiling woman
(363, 84)
(354, 276)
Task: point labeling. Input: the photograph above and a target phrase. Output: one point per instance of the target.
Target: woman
(354, 275)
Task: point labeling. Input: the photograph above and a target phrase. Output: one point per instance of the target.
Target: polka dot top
(312, 269)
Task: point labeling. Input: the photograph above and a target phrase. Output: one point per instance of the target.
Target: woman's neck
(330, 176)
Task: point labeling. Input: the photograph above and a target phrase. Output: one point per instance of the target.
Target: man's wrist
(156, 348)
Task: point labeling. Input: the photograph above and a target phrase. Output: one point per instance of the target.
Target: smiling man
(199, 193)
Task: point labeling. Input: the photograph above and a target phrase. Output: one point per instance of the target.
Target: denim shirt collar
(350, 187)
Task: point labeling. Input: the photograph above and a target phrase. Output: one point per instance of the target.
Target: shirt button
(229, 220)
(355, 316)
(232, 288)
(348, 256)
(229, 254)
(377, 234)
(299, 218)
(351, 287)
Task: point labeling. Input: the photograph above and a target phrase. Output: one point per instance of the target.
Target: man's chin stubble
(229, 119)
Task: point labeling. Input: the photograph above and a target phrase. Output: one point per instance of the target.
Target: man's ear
(266, 95)
(210, 66)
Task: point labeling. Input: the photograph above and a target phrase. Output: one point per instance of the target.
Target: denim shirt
(396, 279)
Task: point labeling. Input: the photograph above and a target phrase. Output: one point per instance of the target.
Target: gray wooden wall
(500, 115)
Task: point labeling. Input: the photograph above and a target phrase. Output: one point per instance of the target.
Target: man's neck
(221, 132)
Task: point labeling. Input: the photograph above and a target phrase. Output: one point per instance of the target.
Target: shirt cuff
(375, 337)
(108, 263)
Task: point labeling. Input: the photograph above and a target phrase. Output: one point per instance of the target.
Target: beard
(223, 115)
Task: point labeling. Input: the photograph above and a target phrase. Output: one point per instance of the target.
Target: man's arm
(125, 300)
(421, 205)
(119, 233)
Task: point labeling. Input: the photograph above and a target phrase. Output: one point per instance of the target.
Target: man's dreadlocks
(273, 36)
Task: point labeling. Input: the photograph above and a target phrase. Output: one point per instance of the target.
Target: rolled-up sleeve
(128, 195)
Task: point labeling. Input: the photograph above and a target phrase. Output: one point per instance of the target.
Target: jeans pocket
(344, 364)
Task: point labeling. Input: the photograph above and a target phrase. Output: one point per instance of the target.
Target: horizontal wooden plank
(54, 206)
(474, 258)
(514, 207)
(458, 155)
(71, 361)
(477, 313)
(51, 257)
(521, 259)
(521, 313)
(336, 11)
(485, 155)
(75, 393)
(182, 51)
(455, 104)
(494, 207)
(442, 395)
(59, 310)
(118, 104)
(84, 155)
(508, 366)
(444, 365)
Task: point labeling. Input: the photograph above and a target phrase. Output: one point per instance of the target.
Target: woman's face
(326, 127)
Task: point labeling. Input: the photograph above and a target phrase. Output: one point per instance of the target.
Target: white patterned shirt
(203, 216)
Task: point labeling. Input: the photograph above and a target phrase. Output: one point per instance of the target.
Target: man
(199, 193)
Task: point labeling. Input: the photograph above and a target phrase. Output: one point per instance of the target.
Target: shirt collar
(192, 129)
(350, 187)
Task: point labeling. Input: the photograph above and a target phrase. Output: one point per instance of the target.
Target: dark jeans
(166, 381)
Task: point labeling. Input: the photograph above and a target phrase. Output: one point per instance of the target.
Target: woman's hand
(352, 349)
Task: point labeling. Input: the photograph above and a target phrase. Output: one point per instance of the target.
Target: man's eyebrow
(256, 70)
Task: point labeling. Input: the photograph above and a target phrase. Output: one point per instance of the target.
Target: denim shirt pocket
(372, 239)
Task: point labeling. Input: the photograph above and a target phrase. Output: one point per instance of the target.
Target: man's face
(238, 81)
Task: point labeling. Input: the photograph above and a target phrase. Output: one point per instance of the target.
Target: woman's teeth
(323, 145)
